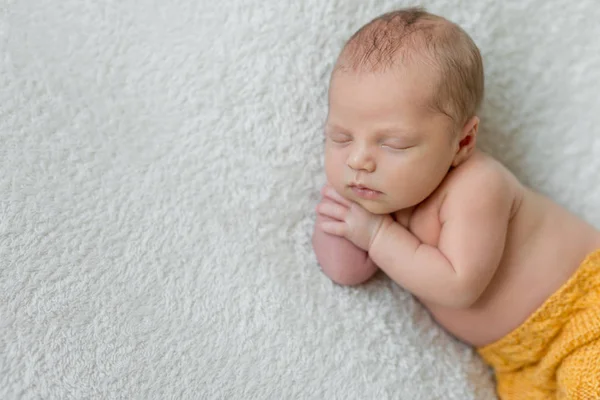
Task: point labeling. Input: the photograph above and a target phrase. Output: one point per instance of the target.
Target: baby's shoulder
(481, 180)
(480, 171)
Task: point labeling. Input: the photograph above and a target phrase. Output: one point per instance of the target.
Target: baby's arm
(474, 218)
(342, 261)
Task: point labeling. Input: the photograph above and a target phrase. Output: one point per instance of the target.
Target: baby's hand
(350, 220)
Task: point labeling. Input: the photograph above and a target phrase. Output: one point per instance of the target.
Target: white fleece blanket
(159, 166)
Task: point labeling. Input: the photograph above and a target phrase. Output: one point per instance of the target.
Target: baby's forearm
(340, 259)
(420, 268)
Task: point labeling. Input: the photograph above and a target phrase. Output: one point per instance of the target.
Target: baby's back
(544, 246)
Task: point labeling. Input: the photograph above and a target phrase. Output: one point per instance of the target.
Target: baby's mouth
(364, 192)
(362, 187)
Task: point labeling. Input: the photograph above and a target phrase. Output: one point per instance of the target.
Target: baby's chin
(377, 207)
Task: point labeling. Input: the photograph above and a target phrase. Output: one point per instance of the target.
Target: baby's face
(381, 135)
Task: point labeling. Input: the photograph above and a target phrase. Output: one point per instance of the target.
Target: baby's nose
(361, 160)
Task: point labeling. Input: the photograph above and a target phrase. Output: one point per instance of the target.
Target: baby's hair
(413, 34)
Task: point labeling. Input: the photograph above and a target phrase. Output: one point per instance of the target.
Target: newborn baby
(498, 265)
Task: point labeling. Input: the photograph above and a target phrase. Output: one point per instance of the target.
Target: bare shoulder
(481, 181)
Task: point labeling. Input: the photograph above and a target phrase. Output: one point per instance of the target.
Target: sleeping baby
(408, 192)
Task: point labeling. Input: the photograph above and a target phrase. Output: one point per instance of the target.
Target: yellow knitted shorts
(555, 353)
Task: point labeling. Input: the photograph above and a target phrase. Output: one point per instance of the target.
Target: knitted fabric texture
(554, 353)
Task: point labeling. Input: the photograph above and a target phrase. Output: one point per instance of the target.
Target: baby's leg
(578, 376)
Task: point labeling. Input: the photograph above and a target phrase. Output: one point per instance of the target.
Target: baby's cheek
(333, 168)
(404, 196)
(329, 172)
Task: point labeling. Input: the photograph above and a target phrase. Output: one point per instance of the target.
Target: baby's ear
(466, 141)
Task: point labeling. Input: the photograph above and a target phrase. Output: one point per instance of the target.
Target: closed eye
(396, 147)
(339, 138)
(340, 141)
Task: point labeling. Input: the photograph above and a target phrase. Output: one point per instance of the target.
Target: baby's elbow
(461, 301)
(463, 296)
(343, 279)
(347, 277)
(341, 261)
(346, 271)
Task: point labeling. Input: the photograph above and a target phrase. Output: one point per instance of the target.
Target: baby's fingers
(334, 228)
(332, 210)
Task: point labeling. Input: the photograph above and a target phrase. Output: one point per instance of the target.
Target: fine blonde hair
(413, 34)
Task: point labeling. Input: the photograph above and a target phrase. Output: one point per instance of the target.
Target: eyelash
(346, 141)
(340, 141)
(395, 148)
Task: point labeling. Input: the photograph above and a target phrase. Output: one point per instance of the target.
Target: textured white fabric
(159, 166)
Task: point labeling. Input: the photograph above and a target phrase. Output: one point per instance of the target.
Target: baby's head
(403, 99)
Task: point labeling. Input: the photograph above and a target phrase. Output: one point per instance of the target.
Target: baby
(498, 265)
